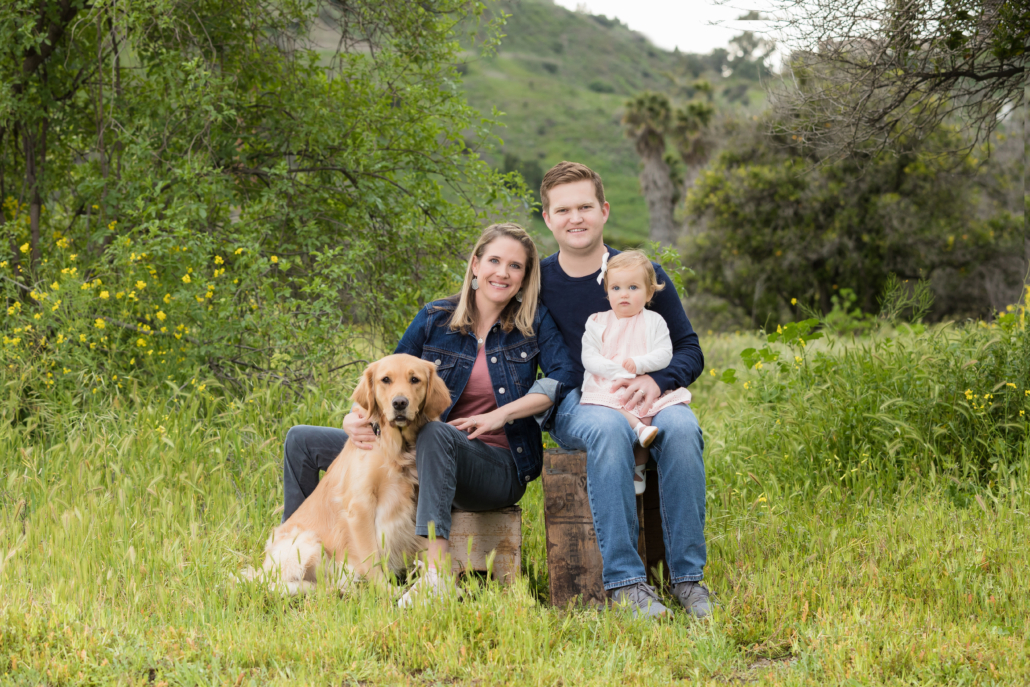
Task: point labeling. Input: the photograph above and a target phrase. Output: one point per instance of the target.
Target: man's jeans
(678, 450)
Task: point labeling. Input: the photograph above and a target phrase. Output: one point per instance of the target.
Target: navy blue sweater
(572, 300)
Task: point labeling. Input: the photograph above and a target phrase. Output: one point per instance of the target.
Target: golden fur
(361, 515)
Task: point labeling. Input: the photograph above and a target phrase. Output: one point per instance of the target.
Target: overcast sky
(692, 25)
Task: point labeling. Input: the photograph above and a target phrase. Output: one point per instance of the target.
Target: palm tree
(691, 134)
(647, 120)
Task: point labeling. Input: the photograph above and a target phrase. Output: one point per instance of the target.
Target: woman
(487, 342)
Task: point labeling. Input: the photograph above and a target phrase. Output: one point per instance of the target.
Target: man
(575, 211)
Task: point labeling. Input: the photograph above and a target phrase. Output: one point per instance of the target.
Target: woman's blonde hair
(634, 259)
(515, 314)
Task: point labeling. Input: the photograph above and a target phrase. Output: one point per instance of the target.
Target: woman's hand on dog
(478, 424)
(358, 429)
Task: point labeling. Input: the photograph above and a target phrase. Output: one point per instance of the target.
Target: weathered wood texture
(573, 558)
(488, 531)
(653, 549)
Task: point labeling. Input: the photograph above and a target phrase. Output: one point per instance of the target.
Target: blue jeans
(678, 450)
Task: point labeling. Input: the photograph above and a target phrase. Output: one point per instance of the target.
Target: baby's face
(627, 291)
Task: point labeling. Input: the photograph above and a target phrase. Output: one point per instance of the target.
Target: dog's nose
(400, 403)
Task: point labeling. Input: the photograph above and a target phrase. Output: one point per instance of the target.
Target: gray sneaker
(693, 596)
(640, 598)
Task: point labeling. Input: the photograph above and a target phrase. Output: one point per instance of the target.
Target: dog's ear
(438, 396)
(365, 394)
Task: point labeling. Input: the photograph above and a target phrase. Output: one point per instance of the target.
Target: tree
(782, 223)
(864, 75)
(650, 120)
(647, 120)
(249, 188)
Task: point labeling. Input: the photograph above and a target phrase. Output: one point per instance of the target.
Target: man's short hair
(566, 173)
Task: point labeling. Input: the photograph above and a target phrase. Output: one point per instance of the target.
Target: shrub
(951, 401)
(252, 209)
(601, 87)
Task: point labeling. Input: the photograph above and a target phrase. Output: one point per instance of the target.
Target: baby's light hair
(634, 259)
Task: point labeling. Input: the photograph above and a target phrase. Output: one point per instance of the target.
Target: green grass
(120, 529)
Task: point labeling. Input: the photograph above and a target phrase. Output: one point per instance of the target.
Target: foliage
(930, 401)
(783, 222)
(206, 189)
(867, 74)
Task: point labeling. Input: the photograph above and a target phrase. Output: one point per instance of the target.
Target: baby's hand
(629, 365)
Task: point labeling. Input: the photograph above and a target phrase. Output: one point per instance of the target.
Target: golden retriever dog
(361, 515)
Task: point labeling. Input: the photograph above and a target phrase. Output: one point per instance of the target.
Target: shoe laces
(640, 593)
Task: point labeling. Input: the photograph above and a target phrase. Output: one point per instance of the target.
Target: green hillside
(560, 80)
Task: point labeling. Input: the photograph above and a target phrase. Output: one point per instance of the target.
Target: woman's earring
(518, 296)
(475, 283)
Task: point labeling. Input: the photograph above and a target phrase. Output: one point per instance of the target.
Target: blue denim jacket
(512, 360)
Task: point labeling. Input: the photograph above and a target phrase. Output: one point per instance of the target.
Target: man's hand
(478, 424)
(639, 390)
(629, 366)
(358, 429)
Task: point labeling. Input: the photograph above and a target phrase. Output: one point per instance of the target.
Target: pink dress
(622, 339)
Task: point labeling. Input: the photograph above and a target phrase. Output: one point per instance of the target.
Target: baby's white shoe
(645, 434)
(639, 484)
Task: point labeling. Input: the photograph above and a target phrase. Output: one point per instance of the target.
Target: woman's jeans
(452, 471)
(678, 450)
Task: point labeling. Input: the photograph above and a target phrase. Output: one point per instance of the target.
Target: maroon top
(478, 398)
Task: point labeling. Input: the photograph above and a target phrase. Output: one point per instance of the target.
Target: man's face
(575, 216)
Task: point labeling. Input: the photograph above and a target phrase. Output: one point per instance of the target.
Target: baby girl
(627, 341)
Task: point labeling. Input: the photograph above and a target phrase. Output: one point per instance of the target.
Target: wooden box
(573, 557)
(495, 530)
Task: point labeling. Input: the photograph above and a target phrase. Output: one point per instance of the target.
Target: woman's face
(500, 271)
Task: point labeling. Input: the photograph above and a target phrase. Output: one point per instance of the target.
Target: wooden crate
(573, 557)
(494, 530)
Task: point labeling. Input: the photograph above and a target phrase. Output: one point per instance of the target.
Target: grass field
(121, 526)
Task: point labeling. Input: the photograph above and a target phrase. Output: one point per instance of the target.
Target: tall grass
(121, 524)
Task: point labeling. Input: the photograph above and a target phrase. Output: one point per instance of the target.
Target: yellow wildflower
(99, 323)
(237, 251)
(140, 285)
(161, 316)
(74, 255)
(797, 358)
(274, 258)
(105, 295)
(24, 248)
(120, 294)
(186, 279)
(168, 298)
(3, 263)
(141, 342)
(82, 338)
(218, 260)
(713, 372)
(36, 316)
(1010, 384)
